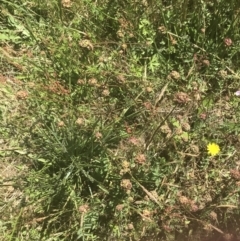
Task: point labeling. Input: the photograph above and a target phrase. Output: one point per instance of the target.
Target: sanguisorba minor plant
(124, 98)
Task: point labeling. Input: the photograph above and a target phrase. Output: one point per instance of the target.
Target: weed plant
(118, 102)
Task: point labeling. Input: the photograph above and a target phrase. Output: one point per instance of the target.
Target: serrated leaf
(7, 37)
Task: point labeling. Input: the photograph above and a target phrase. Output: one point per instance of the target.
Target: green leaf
(22, 152)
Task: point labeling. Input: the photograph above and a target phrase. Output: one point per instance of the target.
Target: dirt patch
(10, 187)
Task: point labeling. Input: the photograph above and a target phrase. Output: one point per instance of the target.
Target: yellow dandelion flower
(213, 149)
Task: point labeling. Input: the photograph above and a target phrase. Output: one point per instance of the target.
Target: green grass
(107, 110)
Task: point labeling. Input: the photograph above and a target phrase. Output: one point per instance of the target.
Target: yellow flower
(213, 149)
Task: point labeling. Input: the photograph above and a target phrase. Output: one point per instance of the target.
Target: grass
(107, 109)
